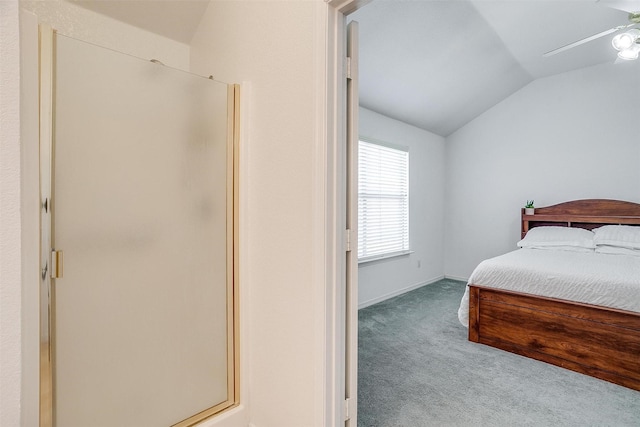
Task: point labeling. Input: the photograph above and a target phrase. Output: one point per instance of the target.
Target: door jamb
(335, 289)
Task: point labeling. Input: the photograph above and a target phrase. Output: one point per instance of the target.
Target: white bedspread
(592, 278)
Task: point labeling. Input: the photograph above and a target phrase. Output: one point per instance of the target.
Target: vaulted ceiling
(439, 64)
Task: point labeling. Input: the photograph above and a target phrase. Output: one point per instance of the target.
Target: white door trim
(335, 209)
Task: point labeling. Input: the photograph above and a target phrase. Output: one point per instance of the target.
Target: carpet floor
(417, 368)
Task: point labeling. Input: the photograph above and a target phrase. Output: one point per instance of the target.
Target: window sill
(385, 256)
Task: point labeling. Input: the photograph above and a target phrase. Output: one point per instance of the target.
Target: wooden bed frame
(597, 341)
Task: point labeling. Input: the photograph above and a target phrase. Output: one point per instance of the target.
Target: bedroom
(548, 141)
(556, 138)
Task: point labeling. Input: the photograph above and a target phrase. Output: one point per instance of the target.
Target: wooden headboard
(588, 213)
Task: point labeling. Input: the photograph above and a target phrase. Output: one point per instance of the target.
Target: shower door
(142, 210)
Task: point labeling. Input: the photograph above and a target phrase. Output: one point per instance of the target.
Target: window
(383, 201)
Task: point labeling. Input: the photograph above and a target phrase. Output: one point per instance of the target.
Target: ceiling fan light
(623, 41)
(630, 54)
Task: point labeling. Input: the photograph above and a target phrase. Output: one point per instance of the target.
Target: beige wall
(89, 26)
(275, 49)
(10, 238)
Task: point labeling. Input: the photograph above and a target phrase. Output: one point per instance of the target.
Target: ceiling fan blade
(586, 40)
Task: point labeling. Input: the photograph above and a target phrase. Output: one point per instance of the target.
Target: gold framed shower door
(52, 278)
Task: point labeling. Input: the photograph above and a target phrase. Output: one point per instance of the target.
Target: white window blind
(383, 201)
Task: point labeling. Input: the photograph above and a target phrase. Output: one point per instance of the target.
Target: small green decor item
(528, 208)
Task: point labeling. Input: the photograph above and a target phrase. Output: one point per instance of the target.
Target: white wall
(379, 280)
(565, 137)
(277, 49)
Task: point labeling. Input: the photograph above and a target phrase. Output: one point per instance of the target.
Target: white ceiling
(439, 64)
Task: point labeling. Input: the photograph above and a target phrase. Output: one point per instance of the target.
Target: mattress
(591, 278)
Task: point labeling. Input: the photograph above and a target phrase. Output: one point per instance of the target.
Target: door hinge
(347, 409)
(347, 239)
(348, 67)
(56, 264)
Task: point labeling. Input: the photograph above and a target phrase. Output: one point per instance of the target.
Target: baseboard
(461, 279)
(398, 292)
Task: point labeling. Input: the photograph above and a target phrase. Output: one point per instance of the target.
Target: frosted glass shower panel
(140, 211)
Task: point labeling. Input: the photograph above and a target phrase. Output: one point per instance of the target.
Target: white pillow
(617, 250)
(624, 236)
(564, 248)
(553, 236)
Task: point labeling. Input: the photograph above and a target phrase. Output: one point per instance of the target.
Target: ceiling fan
(627, 43)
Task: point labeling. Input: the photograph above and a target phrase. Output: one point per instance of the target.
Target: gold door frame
(48, 256)
(46, 137)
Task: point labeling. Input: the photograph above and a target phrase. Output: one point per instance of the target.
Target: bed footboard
(597, 341)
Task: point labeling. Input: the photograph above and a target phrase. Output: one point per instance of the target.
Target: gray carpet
(416, 368)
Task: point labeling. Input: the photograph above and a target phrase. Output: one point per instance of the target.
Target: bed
(591, 323)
